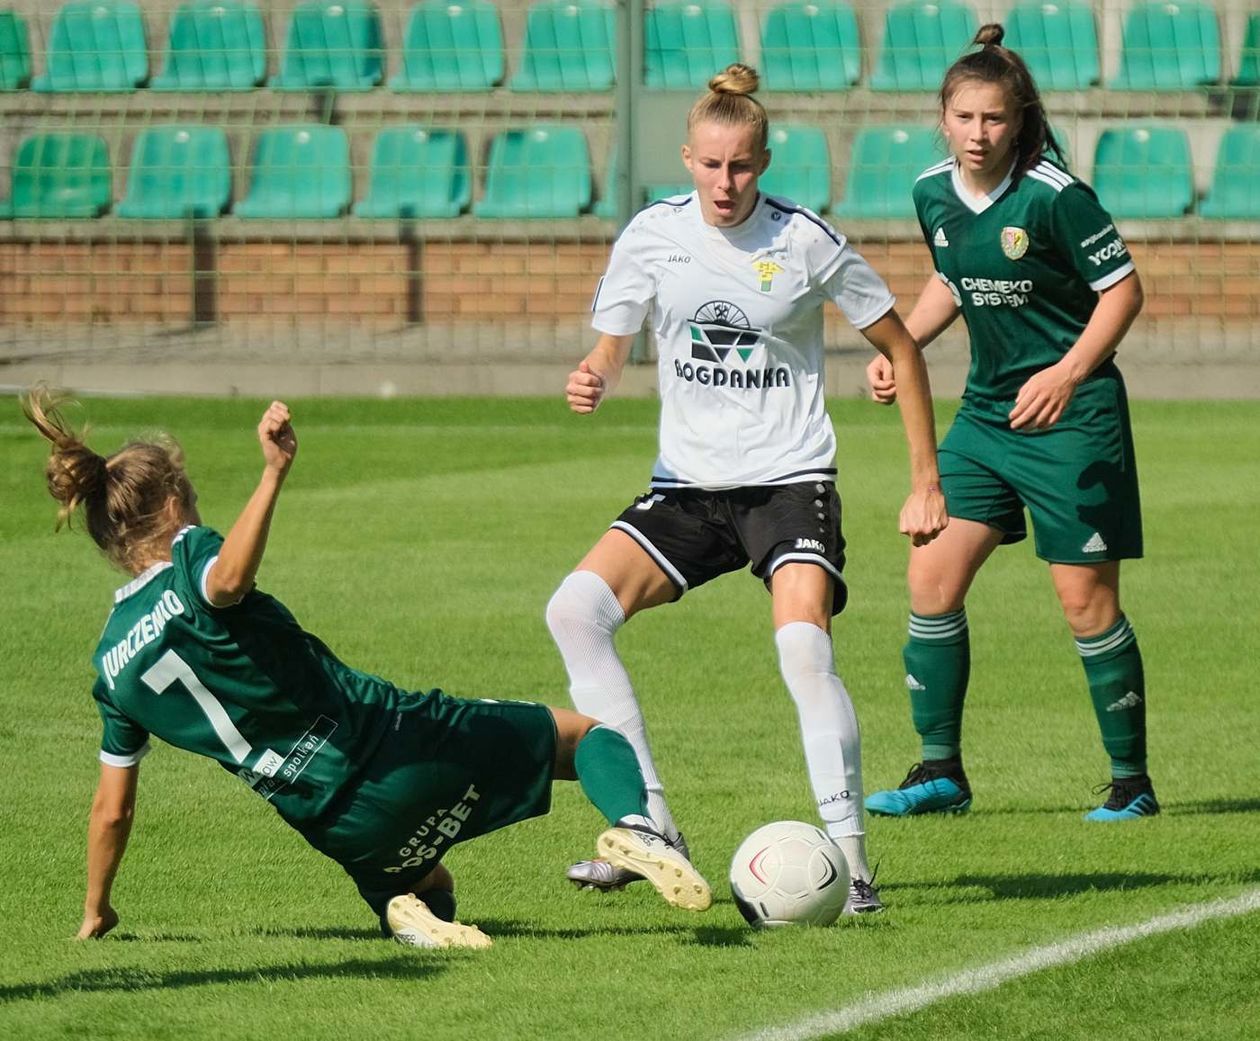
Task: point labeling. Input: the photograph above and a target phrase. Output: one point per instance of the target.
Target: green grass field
(422, 541)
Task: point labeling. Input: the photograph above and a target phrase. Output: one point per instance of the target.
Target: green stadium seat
(666, 190)
(176, 172)
(451, 47)
(800, 167)
(332, 44)
(1058, 39)
(1144, 172)
(884, 164)
(60, 176)
(1235, 190)
(568, 47)
(417, 173)
(922, 38)
(1169, 46)
(685, 43)
(299, 172)
(1249, 58)
(15, 52)
(539, 171)
(807, 46)
(214, 45)
(97, 45)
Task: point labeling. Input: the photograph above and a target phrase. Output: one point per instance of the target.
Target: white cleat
(413, 924)
(648, 855)
(863, 897)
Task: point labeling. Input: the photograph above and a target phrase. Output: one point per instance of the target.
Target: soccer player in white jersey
(1035, 266)
(734, 282)
(192, 652)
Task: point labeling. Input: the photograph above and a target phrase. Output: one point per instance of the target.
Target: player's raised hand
(585, 389)
(879, 376)
(276, 435)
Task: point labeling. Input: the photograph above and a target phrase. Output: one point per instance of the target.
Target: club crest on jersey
(766, 270)
(1014, 242)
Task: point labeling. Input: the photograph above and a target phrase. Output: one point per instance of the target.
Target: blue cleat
(926, 789)
(1130, 798)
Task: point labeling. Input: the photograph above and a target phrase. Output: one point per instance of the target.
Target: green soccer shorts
(448, 770)
(1077, 479)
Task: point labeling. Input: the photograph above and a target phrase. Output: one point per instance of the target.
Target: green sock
(1113, 669)
(609, 773)
(938, 666)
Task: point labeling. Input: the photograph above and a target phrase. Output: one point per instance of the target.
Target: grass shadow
(318, 933)
(124, 979)
(1212, 806)
(1043, 887)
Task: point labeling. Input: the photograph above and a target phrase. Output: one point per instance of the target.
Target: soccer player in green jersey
(381, 779)
(1036, 267)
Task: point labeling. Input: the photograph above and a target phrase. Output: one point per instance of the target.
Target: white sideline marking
(989, 977)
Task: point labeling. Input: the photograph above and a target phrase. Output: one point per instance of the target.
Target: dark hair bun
(990, 35)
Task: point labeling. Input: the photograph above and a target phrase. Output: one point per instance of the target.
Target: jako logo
(813, 544)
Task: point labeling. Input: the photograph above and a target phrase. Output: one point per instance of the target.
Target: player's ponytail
(122, 497)
(729, 101)
(993, 63)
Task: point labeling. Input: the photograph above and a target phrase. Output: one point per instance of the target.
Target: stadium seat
(61, 176)
(299, 171)
(417, 173)
(178, 171)
(97, 45)
(332, 44)
(686, 44)
(800, 167)
(451, 47)
(568, 46)
(1249, 58)
(1143, 172)
(540, 171)
(883, 166)
(1058, 39)
(1169, 46)
(921, 40)
(807, 46)
(15, 52)
(1235, 190)
(214, 45)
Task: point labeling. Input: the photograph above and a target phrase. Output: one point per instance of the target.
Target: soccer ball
(789, 873)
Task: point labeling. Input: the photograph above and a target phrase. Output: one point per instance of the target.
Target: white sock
(829, 732)
(583, 615)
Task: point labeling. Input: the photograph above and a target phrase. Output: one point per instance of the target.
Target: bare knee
(1089, 596)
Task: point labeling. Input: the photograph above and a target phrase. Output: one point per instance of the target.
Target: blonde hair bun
(736, 78)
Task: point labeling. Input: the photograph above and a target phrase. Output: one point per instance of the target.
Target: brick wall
(378, 285)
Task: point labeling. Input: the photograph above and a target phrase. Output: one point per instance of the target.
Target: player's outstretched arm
(923, 516)
(933, 313)
(109, 826)
(598, 373)
(1042, 399)
(233, 573)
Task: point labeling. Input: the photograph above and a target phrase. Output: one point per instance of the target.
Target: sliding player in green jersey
(1025, 253)
(381, 779)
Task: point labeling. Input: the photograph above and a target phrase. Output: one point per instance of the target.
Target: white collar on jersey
(978, 204)
(140, 580)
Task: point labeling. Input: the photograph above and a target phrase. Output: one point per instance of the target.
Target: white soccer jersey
(738, 319)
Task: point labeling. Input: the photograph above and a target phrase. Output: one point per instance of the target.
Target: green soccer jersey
(1025, 264)
(244, 685)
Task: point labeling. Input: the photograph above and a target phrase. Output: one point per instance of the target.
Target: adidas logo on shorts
(1095, 544)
